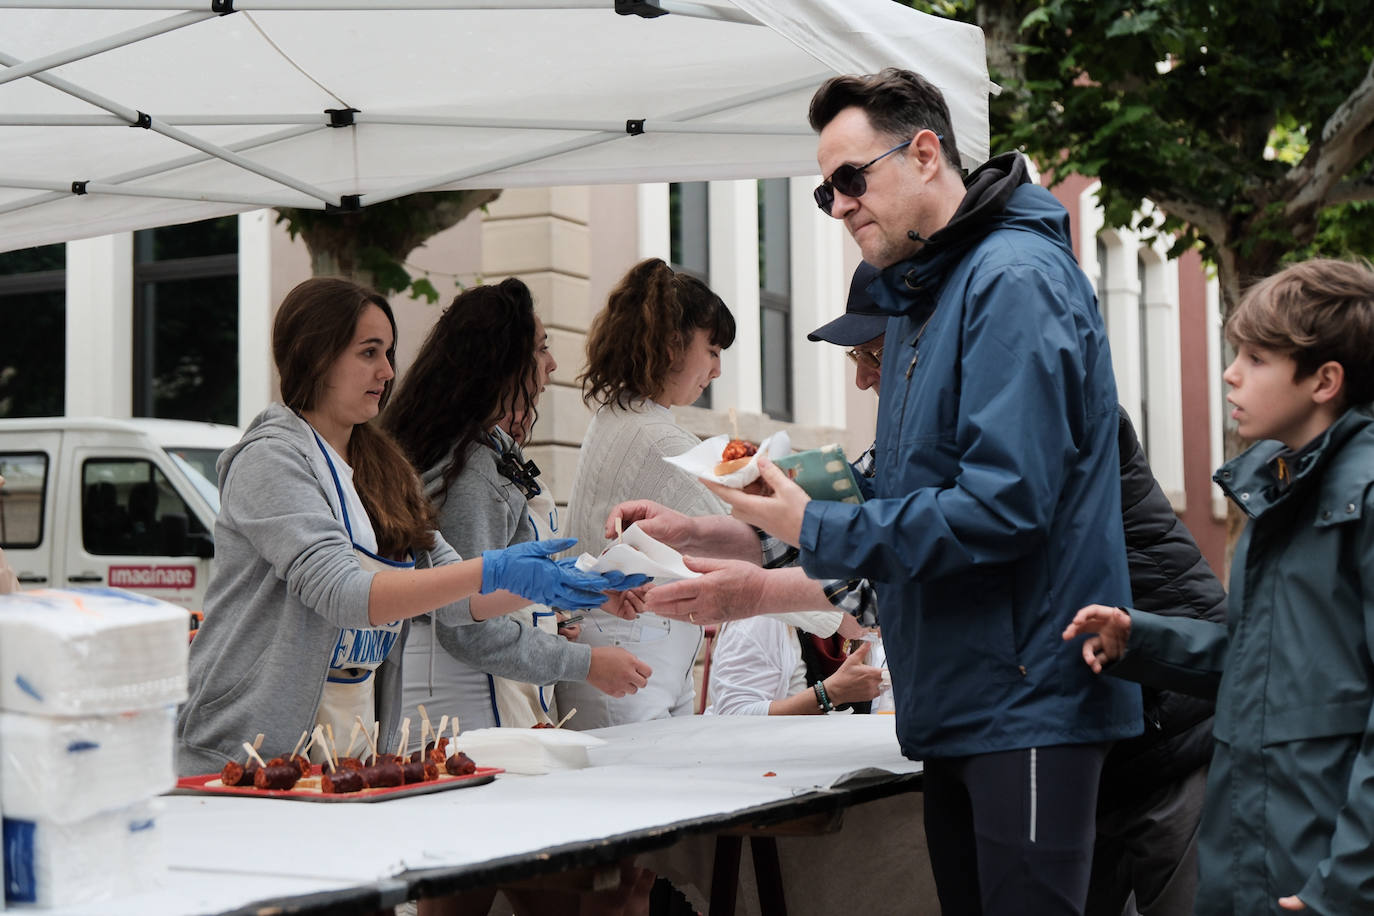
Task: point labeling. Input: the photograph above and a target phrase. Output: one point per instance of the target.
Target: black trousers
(1012, 832)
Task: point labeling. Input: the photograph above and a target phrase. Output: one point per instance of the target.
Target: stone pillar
(541, 235)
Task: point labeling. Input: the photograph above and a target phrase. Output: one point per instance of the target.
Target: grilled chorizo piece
(238, 774)
(384, 775)
(459, 764)
(337, 783)
(278, 776)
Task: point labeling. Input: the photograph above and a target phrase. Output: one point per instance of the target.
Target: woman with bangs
(655, 345)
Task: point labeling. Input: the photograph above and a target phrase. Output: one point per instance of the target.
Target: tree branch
(1349, 192)
(1347, 138)
(1208, 221)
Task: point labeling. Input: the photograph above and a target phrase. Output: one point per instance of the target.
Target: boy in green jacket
(1288, 821)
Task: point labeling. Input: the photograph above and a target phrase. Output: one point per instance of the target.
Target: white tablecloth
(227, 852)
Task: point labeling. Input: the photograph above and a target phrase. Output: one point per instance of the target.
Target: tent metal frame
(308, 196)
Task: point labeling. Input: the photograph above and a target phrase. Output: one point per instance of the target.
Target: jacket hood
(997, 195)
(277, 421)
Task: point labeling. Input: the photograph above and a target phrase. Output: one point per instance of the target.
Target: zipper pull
(911, 368)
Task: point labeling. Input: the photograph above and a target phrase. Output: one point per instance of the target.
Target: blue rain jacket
(998, 491)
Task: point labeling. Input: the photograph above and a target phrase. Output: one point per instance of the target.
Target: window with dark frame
(689, 239)
(775, 298)
(33, 297)
(185, 359)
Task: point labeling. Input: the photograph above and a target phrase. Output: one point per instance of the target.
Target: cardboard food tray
(209, 784)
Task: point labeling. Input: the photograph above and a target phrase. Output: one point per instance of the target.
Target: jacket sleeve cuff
(825, 522)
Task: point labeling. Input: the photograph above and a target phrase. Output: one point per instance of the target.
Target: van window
(21, 499)
(130, 508)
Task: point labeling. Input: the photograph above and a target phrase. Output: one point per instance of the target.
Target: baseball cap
(862, 319)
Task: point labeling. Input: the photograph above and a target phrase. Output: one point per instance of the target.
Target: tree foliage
(370, 245)
(1250, 125)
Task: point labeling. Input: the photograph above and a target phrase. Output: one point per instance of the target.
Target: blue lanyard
(343, 507)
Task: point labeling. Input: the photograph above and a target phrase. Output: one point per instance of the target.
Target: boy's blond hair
(1315, 312)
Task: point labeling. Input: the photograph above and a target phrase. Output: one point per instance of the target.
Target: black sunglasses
(849, 179)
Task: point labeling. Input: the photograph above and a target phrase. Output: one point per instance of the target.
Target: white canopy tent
(125, 114)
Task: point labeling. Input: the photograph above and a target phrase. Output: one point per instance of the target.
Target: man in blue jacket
(997, 502)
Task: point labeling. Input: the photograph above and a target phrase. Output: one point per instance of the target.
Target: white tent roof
(164, 111)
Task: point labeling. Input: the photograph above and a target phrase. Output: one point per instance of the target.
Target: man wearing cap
(996, 502)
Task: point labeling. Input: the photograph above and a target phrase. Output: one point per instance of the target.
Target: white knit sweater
(622, 458)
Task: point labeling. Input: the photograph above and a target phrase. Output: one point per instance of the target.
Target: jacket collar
(1254, 480)
(904, 286)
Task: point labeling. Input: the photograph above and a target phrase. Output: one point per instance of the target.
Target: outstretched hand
(527, 570)
(780, 513)
(1292, 903)
(664, 525)
(728, 589)
(1111, 631)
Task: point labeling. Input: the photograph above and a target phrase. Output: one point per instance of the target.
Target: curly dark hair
(648, 321)
(477, 365)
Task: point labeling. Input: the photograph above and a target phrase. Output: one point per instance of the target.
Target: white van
(120, 503)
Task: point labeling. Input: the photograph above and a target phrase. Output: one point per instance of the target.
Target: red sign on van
(152, 577)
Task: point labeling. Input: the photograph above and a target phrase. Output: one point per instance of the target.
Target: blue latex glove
(619, 581)
(527, 570)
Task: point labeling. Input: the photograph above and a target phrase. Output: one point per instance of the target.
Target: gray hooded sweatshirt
(285, 582)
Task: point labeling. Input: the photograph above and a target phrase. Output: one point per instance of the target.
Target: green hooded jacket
(1290, 793)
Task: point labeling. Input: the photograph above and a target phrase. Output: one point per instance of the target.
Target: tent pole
(90, 49)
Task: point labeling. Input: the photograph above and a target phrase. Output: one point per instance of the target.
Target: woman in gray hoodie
(326, 547)
(484, 363)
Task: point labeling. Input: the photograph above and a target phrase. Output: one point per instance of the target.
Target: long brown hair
(476, 366)
(314, 326)
(648, 321)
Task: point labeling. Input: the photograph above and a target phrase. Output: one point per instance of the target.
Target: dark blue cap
(862, 319)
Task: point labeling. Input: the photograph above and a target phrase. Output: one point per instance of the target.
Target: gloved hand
(527, 570)
(619, 581)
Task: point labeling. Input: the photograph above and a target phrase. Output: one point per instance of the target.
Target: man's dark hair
(899, 104)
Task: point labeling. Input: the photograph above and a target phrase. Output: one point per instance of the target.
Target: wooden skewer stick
(454, 723)
(571, 712)
(317, 737)
(425, 726)
(619, 534)
(253, 754)
(331, 747)
(405, 737)
(257, 742)
(443, 724)
(352, 738)
(376, 732)
(734, 424)
(367, 737)
(299, 742)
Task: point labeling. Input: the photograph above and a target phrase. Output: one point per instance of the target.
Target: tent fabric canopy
(125, 114)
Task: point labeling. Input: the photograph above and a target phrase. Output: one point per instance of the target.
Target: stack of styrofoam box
(89, 682)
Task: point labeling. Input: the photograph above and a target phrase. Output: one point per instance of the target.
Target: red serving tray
(209, 784)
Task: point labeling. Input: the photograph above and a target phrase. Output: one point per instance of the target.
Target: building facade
(177, 321)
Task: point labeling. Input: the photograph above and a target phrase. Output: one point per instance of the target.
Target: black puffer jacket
(1170, 577)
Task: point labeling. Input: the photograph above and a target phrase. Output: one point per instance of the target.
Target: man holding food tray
(996, 502)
